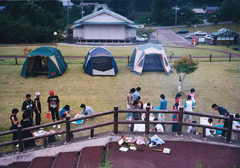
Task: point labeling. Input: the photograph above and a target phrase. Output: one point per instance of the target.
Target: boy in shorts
(189, 106)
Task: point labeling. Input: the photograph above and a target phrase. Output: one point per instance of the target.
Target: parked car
(143, 38)
(181, 31)
(190, 36)
(236, 48)
(208, 37)
(200, 33)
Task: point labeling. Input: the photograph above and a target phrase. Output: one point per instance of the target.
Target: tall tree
(159, 9)
(229, 10)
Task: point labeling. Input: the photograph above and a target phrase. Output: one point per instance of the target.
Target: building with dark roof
(224, 37)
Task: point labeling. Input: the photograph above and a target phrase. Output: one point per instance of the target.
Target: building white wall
(104, 32)
(77, 33)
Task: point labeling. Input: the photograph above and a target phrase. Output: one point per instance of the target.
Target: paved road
(167, 37)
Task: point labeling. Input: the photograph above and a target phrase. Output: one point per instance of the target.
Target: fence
(116, 122)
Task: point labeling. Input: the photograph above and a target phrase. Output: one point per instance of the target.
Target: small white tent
(149, 57)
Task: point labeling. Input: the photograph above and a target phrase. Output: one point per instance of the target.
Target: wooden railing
(115, 122)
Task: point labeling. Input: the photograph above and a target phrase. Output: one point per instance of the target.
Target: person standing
(130, 102)
(87, 110)
(177, 99)
(53, 106)
(27, 134)
(192, 94)
(163, 106)
(38, 110)
(225, 113)
(175, 118)
(136, 94)
(27, 107)
(189, 106)
(14, 119)
(135, 116)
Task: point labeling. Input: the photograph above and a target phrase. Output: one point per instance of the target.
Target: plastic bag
(48, 116)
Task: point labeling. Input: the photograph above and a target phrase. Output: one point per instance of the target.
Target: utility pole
(176, 15)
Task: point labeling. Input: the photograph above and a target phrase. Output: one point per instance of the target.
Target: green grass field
(215, 82)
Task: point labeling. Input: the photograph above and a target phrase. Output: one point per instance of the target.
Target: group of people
(134, 102)
(30, 106)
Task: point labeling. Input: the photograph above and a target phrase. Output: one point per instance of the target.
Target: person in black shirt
(14, 119)
(26, 134)
(225, 113)
(38, 110)
(27, 107)
(53, 106)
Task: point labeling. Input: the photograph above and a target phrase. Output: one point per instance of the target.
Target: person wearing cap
(222, 111)
(15, 122)
(38, 110)
(27, 107)
(136, 93)
(189, 106)
(53, 106)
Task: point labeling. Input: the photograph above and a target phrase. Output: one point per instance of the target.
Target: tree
(184, 66)
(229, 10)
(160, 10)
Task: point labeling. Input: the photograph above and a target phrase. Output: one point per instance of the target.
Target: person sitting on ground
(14, 119)
(163, 106)
(27, 134)
(157, 127)
(236, 125)
(192, 129)
(151, 115)
(192, 94)
(209, 131)
(189, 106)
(65, 111)
(87, 110)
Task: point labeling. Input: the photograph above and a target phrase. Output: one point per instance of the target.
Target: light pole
(176, 15)
(55, 34)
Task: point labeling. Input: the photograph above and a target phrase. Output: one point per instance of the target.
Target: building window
(219, 38)
(227, 38)
(231, 38)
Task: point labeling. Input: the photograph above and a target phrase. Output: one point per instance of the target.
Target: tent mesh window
(153, 62)
(102, 63)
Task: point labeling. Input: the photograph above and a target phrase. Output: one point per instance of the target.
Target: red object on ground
(48, 116)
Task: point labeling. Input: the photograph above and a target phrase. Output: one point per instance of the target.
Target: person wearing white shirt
(209, 131)
(236, 125)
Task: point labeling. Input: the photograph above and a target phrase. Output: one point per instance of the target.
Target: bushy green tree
(30, 22)
(161, 10)
(184, 66)
(229, 9)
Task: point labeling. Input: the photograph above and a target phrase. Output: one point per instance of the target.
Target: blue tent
(44, 60)
(99, 61)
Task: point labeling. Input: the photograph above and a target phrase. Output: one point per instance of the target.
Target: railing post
(67, 128)
(170, 57)
(230, 57)
(92, 132)
(230, 122)
(16, 60)
(210, 57)
(147, 121)
(128, 58)
(45, 142)
(204, 132)
(20, 138)
(190, 56)
(115, 119)
(180, 120)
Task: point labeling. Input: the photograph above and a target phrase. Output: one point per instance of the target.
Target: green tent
(44, 60)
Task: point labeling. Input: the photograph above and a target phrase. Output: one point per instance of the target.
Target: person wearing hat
(189, 106)
(53, 106)
(37, 106)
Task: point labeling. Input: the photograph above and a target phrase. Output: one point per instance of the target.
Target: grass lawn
(215, 82)
(213, 28)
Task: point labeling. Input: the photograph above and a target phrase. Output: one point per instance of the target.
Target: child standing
(38, 110)
(189, 106)
(163, 106)
(53, 106)
(177, 98)
(192, 94)
(175, 118)
(14, 119)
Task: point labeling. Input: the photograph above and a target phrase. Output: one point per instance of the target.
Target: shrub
(235, 19)
(189, 24)
(215, 21)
